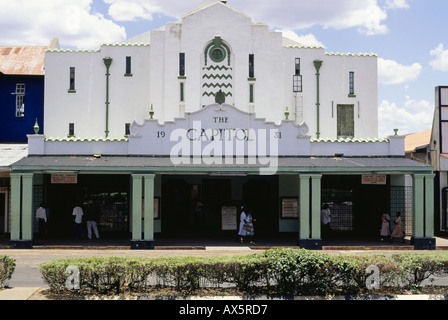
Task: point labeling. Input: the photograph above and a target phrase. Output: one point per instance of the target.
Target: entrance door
(259, 195)
(216, 194)
(176, 206)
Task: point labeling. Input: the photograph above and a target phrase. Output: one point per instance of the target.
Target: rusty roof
(418, 139)
(23, 60)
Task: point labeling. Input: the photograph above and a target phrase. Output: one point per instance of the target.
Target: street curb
(26, 293)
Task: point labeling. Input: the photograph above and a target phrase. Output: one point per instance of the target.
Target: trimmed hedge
(278, 271)
(7, 267)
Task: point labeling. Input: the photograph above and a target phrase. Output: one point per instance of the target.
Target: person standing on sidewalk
(77, 214)
(92, 217)
(41, 216)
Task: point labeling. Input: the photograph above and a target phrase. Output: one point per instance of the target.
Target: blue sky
(409, 36)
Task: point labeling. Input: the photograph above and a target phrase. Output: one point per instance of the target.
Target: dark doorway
(216, 194)
(110, 194)
(356, 208)
(262, 197)
(176, 206)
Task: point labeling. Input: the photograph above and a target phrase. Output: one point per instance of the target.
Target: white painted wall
(155, 78)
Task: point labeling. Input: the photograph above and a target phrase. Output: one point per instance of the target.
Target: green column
(16, 183)
(317, 65)
(137, 180)
(429, 202)
(27, 206)
(107, 63)
(304, 207)
(418, 191)
(315, 206)
(423, 228)
(149, 207)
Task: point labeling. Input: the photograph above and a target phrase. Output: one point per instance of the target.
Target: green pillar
(309, 211)
(316, 206)
(107, 63)
(318, 65)
(136, 197)
(27, 206)
(21, 211)
(16, 205)
(142, 207)
(304, 207)
(149, 207)
(423, 228)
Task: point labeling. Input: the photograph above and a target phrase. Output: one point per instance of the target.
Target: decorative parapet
(218, 130)
(302, 46)
(126, 44)
(348, 54)
(72, 51)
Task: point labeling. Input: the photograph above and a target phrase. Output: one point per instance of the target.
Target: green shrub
(302, 272)
(414, 268)
(282, 271)
(7, 267)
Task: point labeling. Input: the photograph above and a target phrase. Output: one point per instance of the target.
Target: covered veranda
(304, 176)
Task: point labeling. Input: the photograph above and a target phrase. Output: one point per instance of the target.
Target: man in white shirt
(78, 213)
(325, 220)
(41, 216)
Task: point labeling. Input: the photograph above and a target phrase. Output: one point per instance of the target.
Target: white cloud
(441, 58)
(365, 15)
(413, 116)
(397, 4)
(121, 10)
(391, 72)
(72, 21)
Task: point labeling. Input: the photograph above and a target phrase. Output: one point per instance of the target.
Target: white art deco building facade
(218, 110)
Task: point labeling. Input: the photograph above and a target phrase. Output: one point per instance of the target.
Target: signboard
(64, 178)
(229, 218)
(374, 179)
(290, 208)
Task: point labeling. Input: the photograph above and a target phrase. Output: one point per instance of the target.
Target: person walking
(92, 217)
(77, 215)
(398, 229)
(246, 229)
(385, 226)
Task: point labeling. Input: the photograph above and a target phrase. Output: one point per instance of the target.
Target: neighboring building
(219, 110)
(21, 108)
(438, 149)
(417, 146)
(21, 91)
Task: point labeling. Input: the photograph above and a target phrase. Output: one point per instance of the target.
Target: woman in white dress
(246, 225)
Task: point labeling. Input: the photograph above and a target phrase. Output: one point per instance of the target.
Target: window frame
(351, 84)
(341, 123)
(72, 80)
(20, 94)
(128, 66)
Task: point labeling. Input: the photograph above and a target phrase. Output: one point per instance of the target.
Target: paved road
(27, 261)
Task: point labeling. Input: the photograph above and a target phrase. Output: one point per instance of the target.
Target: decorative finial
(36, 127)
(396, 131)
(151, 112)
(287, 113)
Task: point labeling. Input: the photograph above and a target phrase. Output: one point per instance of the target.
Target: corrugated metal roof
(11, 153)
(305, 164)
(419, 139)
(24, 60)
